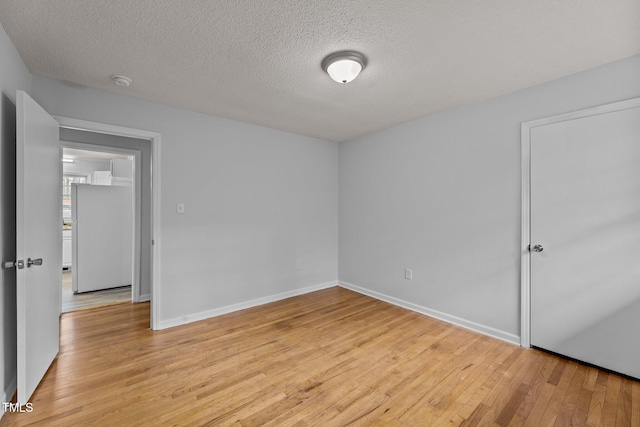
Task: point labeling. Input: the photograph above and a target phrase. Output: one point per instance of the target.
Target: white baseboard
(242, 305)
(458, 321)
(144, 298)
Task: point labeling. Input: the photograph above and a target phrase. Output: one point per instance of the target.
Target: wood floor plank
(484, 381)
(331, 357)
(512, 375)
(635, 403)
(570, 401)
(581, 411)
(510, 409)
(470, 379)
(610, 408)
(595, 406)
(542, 370)
(540, 404)
(478, 414)
(623, 417)
(558, 371)
(591, 378)
(555, 403)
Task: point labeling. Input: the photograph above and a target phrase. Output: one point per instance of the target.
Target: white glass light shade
(343, 67)
(344, 71)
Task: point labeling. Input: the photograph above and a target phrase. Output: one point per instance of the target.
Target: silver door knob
(537, 248)
(30, 262)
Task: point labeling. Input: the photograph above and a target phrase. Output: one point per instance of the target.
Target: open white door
(39, 237)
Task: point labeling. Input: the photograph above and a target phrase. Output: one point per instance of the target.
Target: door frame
(155, 138)
(525, 258)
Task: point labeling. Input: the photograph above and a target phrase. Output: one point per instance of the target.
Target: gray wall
(13, 75)
(256, 200)
(441, 195)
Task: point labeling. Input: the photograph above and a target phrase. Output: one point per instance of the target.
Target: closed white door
(585, 219)
(39, 233)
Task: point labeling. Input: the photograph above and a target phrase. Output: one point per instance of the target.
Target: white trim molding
(182, 320)
(155, 139)
(454, 320)
(525, 238)
(525, 259)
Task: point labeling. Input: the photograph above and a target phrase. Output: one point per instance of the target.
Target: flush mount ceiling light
(121, 80)
(344, 66)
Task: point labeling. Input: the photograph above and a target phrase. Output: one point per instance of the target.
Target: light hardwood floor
(71, 301)
(329, 358)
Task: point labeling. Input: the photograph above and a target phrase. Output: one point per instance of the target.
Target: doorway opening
(98, 250)
(143, 148)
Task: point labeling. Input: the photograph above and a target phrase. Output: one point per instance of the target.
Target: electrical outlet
(408, 274)
(298, 264)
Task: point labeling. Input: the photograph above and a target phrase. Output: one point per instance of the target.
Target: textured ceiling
(258, 61)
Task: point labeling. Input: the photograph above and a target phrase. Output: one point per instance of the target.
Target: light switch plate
(180, 208)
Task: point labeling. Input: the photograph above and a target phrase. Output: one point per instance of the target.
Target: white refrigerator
(102, 237)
